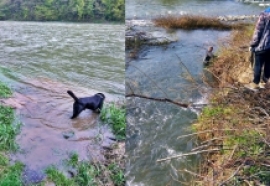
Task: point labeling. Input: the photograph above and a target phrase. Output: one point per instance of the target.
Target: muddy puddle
(48, 136)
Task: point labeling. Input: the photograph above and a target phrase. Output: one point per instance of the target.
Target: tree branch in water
(158, 99)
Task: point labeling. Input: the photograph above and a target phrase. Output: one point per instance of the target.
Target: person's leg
(259, 61)
(266, 71)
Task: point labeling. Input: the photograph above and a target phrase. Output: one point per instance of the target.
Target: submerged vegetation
(63, 10)
(116, 117)
(190, 22)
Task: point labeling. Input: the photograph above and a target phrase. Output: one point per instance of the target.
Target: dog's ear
(101, 95)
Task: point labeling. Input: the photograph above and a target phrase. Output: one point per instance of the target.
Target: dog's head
(101, 95)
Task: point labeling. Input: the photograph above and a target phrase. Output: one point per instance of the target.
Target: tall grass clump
(116, 117)
(58, 177)
(8, 128)
(5, 91)
(191, 22)
(116, 174)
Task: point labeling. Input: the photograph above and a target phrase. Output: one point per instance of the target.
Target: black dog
(94, 103)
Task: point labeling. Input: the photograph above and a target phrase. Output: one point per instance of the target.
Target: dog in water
(94, 103)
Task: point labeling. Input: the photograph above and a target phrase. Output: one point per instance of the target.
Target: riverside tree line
(63, 10)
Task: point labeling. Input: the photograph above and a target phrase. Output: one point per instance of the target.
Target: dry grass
(233, 59)
(190, 22)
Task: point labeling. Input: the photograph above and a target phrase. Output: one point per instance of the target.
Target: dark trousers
(262, 59)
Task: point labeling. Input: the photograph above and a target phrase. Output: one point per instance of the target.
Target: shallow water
(40, 62)
(172, 71)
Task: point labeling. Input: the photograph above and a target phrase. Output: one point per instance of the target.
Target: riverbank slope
(233, 130)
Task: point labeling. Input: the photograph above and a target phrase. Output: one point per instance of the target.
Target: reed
(191, 22)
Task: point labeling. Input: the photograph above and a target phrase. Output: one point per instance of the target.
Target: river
(40, 61)
(173, 71)
(148, 9)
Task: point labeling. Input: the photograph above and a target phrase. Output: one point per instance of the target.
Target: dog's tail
(72, 95)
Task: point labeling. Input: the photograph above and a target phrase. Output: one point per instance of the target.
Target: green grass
(215, 111)
(87, 173)
(8, 130)
(5, 91)
(117, 174)
(10, 174)
(57, 177)
(74, 159)
(116, 117)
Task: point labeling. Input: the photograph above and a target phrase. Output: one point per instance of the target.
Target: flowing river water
(40, 62)
(172, 71)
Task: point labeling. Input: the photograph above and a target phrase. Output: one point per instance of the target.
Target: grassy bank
(233, 130)
(115, 116)
(190, 22)
(9, 174)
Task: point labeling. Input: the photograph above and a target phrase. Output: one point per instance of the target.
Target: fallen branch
(158, 99)
(234, 173)
(187, 154)
(206, 131)
(234, 148)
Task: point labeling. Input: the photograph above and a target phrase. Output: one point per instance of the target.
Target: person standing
(260, 45)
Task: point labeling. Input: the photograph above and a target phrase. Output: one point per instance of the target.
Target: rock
(68, 134)
(72, 172)
(112, 138)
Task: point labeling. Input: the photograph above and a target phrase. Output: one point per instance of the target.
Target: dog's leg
(98, 110)
(77, 109)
